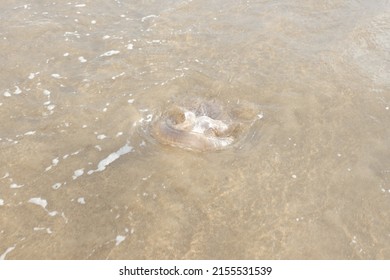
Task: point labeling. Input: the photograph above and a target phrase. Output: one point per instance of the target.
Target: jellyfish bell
(202, 125)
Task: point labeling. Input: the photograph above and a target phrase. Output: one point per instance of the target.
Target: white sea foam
(97, 147)
(82, 59)
(30, 132)
(149, 117)
(38, 228)
(48, 230)
(2, 256)
(64, 217)
(38, 201)
(119, 239)
(54, 163)
(148, 17)
(15, 186)
(53, 213)
(110, 53)
(17, 90)
(51, 107)
(76, 153)
(56, 186)
(77, 173)
(119, 75)
(111, 158)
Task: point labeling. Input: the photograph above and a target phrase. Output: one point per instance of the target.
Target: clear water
(80, 81)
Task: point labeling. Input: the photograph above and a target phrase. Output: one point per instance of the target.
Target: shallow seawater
(81, 81)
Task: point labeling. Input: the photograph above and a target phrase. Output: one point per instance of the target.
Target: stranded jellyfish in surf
(203, 125)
